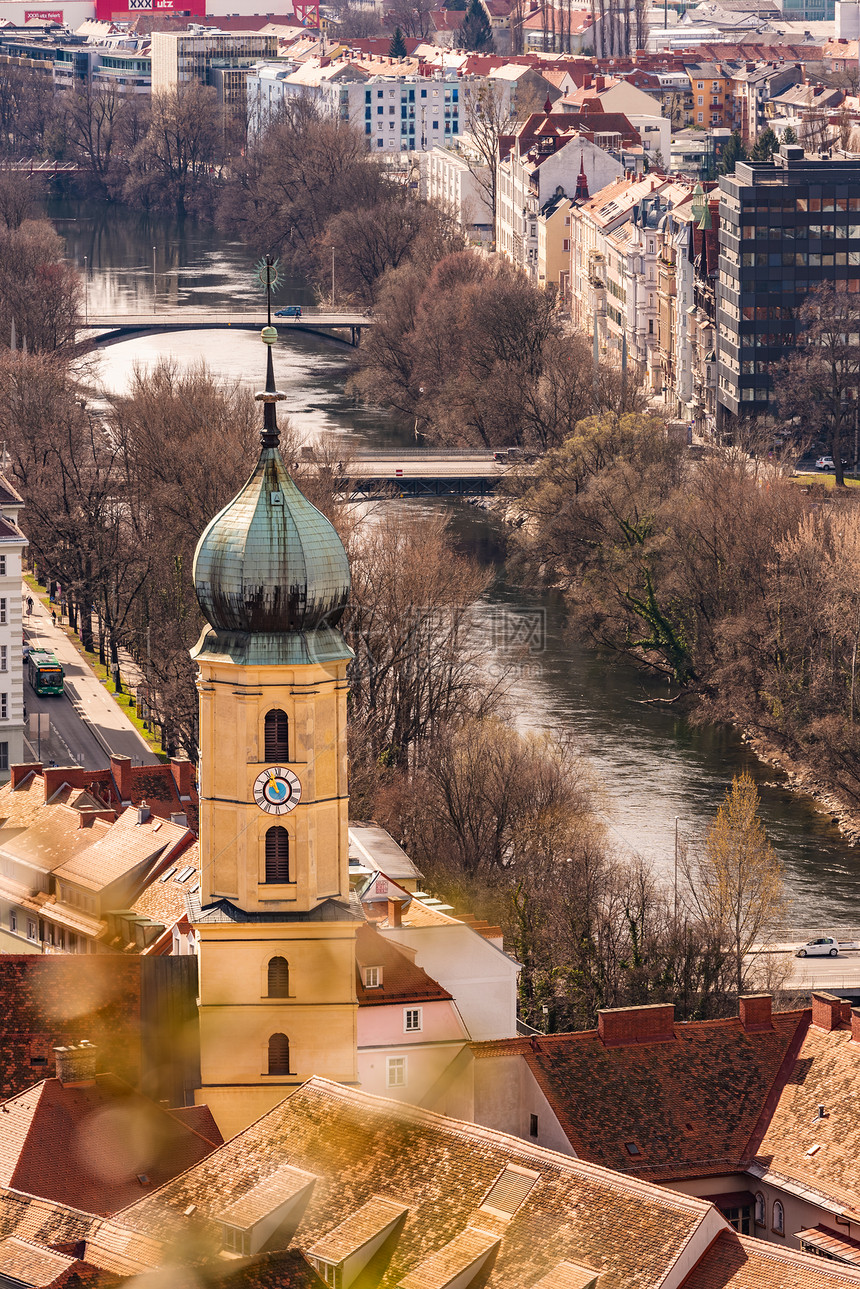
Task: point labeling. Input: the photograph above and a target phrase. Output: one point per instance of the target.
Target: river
(653, 765)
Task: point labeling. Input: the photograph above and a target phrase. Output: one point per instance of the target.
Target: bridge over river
(426, 472)
(110, 329)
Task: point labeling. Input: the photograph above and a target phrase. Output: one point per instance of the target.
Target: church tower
(275, 931)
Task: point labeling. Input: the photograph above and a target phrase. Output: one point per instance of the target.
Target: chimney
(76, 1066)
(855, 1024)
(756, 1012)
(22, 772)
(121, 770)
(394, 910)
(55, 776)
(826, 1011)
(142, 813)
(180, 818)
(183, 776)
(624, 1026)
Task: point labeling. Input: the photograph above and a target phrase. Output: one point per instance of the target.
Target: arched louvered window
(277, 854)
(277, 736)
(279, 978)
(279, 1054)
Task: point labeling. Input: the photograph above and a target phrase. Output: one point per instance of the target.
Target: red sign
(47, 15)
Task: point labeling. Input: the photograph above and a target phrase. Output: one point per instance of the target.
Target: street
(86, 724)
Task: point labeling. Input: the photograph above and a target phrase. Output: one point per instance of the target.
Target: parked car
(824, 947)
(291, 311)
(826, 463)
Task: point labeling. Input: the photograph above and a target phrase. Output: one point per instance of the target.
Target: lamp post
(154, 286)
(332, 277)
(86, 292)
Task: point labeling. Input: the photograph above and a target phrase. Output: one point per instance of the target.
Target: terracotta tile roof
(62, 998)
(254, 1204)
(826, 1073)
(199, 1119)
(689, 1105)
(118, 850)
(402, 980)
(356, 1230)
(164, 901)
(360, 1146)
(30, 1263)
(56, 1225)
(72, 1144)
(737, 1262)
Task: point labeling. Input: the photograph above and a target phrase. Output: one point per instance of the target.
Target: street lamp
(332, 277)
(154, 286)
(86, 293)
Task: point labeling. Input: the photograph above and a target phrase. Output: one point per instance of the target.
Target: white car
(824, 947)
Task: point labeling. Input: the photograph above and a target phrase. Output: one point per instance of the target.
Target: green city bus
(45, 672)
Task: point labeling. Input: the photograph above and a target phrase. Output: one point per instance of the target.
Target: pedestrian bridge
(101, 329)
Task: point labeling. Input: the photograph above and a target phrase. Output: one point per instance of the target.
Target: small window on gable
(778, 1218)
(760, 1211)
(277, 736)
(412, 1019)
(373, 977)
(533, 1125)
(632, 1148)
(279, 978)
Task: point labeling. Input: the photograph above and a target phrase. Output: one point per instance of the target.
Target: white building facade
(12, 543)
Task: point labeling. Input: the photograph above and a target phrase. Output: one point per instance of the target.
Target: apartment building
(785, 226)
(209, 57)
(458, 181)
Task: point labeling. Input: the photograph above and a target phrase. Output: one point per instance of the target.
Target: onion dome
(270, 562)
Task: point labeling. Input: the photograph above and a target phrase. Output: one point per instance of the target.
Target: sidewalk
(92, 703)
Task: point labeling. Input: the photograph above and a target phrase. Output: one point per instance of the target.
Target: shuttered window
(279, 1054)
(279, 978)
(277, 736)
(277, 855)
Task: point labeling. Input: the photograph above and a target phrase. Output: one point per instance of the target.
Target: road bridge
(111, 329)
(425, 472)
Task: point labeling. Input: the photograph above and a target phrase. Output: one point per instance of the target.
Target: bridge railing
(421, 454)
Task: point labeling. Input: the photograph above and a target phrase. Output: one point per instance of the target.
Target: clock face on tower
(277, 790)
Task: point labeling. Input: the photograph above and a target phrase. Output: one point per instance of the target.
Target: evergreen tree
(733, 152)
(765, 145)
(456, 4)
(789, 136)
(476, 32)
(397, 48)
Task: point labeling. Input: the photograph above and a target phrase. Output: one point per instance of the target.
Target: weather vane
(268, 273)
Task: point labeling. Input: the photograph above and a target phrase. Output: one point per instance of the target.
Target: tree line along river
(654, 767)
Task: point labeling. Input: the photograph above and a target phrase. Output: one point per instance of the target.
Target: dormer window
(236, 1240)
(373, 977)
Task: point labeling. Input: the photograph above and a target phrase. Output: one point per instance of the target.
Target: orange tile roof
(402, 980)
(30, 1263)
(690, 1106)
(737, 1262)
(359, 1146)
(827, 1073)
(71, 1144)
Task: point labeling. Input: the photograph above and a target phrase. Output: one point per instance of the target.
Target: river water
(654, 767)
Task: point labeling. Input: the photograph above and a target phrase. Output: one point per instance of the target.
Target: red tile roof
(737, 1262)
(689, 1105)
(199, 1119)
(89, 1145)
(402, 980)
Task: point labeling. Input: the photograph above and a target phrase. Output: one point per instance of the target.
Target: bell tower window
(277, 854)
(279, 1054)
(279, 978)
(277, 736)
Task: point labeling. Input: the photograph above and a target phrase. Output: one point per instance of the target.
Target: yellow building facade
(276, 934)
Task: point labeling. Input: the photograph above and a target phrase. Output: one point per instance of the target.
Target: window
(3, 609)
(412, 1019)
(760, 1212)
(397, 1071)
(13, 920)
(277, 854)
(565, 246)
(236, 1240)
(279, 978)
(277, 736)
(373, 977)
(279, 1054)
(533, 1125)
(778, 1218)
(2, 565)
(4, 658)
(31, 930)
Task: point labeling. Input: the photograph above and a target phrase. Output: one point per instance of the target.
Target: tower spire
(271, 435)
